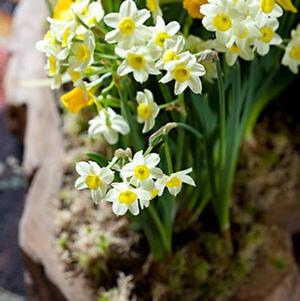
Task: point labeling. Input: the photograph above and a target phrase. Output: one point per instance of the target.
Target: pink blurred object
(4, 56)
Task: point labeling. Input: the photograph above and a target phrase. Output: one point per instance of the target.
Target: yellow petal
(193, 7)
(267, 6)
(75, 100)
(62, 10)
(287, 5)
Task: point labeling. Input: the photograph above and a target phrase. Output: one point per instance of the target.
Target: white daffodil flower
(162, 32)
(174, 182)
(261, 10)
(173, 47)
(82, 53)
(153, 188)
(55, 55)
(52, 68)
(268, 37)
(125, 197)
(142, 169)
(147, 110)
(90, 13)
(243, 33)
(234, 52)
(63, 31)
(195, 45)
(186, 72)
(291, 56)
(109, 124)
(219, 16)
(138, 60)
(128, 25)
(93, 177)
(242, 27)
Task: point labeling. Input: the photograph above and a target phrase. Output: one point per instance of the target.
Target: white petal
(160, 24)
(119, 209)
(195, 84)
(95, 168)
(134, 208)
(112, 20)
(143, 194)
(107, 175)
(156, 173)
(167, 78)
(111, 136)
(184, 172)
(140, 97)
(180, 87)
(188, 180)
(144, 203)
(97, 195)
(172, 28)
(149, 124)
(119, 124)
(175, 190)
(140, 76)
(124, 69)
(127, 170)
(152, 160)
(80, 183)
(141, 16)
(83, 168)
(112, 36)
(148, 95)
(161, 184)
(112, 195)
(128, 8)
(277, 40)
(138, 158)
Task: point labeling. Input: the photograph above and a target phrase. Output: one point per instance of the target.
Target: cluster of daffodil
(141, 181)
(147, 50)
(123, 64)
(242, 27)
(70, 43)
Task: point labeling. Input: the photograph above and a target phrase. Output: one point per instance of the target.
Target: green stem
(190, 129)
(228, 241)
(165, 92)
(221, 113)
(181, 135)
(50, 7)
(168, 104)
(168, 155)
(166, 242)
(126, 112)
(108, 88)
(187, 26)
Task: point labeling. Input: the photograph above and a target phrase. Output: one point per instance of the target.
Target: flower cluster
(141, 181)
(147, 50)
(291, 57)
(70, 44)
(242, 27)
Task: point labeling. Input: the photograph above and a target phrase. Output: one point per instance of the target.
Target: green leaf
(102, 161)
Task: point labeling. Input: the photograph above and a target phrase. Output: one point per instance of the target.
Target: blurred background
(12, 183)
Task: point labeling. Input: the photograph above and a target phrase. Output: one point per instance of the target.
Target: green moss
(201, 271)
(62, 242)
(279, 262)
(103, 244)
